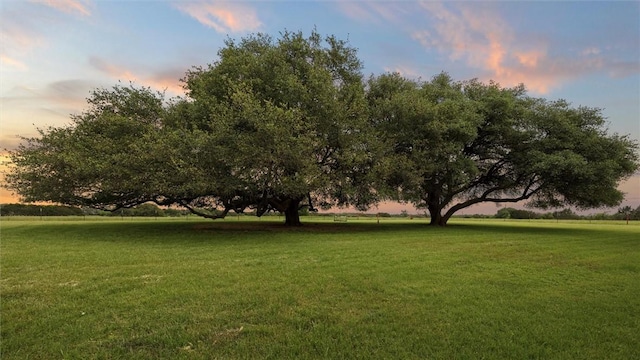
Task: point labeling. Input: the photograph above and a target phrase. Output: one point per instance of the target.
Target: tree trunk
(291, 214)
(443, 220)
(435, 212)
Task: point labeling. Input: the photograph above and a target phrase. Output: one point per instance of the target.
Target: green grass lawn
(176, 289)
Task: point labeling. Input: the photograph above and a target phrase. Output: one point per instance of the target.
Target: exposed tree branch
(203, 214)
(527, 193)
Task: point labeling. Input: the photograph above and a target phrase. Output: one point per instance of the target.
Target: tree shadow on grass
(309, 227)
(270, 231)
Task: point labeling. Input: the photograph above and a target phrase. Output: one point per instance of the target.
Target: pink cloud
(531, 58)
(168, 81)
(374, 11)
(222, 16)
(484, 40)
(23, 28)
(404, 70)
(473, 34)
(12, 63)
(18, 39)
(477, 35)
(68, 6)
(68, 94)
(356, 10)
(112, 70)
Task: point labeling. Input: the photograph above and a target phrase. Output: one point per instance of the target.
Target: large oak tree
(450, 145)
(271, 125)
(288, 120)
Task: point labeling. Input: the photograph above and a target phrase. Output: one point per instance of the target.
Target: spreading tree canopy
(106, 156)
(272, 125)
(283, 124)
(286, 119)
(450, 145)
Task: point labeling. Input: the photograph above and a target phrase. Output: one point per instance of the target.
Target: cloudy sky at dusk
(54, 52)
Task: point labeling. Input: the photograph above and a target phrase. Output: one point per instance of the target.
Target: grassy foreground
(171, 289)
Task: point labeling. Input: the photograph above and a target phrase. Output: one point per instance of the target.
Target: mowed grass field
(175, 289)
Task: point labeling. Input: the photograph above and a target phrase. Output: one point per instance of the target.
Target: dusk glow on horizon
(55, 52)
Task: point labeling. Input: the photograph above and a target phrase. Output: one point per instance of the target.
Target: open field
(191, 289)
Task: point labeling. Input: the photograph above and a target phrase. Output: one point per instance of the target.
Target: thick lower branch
(204, 214)
(526, 194)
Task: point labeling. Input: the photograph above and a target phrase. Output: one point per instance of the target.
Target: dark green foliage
(286, 120)
(174, 212)
(144, 210)
(511, 213)
(568, 214)
(106, 158)
(38, 210)
(565, 214)
(289, 124)
(450, 145)
(628, 213)
(273, 125)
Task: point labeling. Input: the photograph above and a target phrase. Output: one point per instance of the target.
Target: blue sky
(55, 51)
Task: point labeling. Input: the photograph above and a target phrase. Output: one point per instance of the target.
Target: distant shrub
(511, 213)
(144, 210)
(565, 214)
(174, 212)
(38, 210)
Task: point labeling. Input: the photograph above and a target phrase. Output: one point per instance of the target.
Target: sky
(54, 52)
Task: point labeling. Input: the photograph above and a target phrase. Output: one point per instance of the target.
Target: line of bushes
(152, 210)
(35, 210)
(567, 214)
(148, 210)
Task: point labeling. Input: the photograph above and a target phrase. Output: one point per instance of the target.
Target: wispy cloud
(18, 37)
(111, 70)
(374, 11)
(167, 79)
(222, 16)
(58, 98)
(468, 33)
(621, 69)
(485, 41)
(407, 71)
(477, 35)
(12, 63)
(591, 51)
(70, 94)
(80, 7)
(356, 10)
(25, 26)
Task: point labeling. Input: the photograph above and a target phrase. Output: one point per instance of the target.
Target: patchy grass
(177, 289)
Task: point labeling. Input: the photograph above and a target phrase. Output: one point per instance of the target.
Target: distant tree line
(149, 210)
(152, 210)
(35, 210)
(568, 214)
